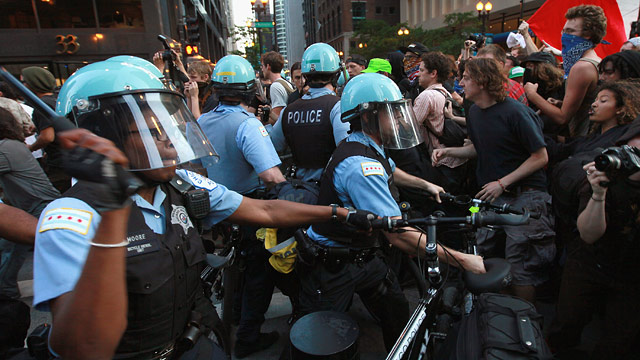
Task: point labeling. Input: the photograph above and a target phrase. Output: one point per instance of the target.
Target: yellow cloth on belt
(284, 254)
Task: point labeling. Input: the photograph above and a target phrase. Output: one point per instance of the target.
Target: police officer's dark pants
(585, 290)
(324, 289)
(259, 281)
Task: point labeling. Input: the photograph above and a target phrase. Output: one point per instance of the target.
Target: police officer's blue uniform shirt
(242, 158)
(68, 224)
(362, 183)
(340, 131)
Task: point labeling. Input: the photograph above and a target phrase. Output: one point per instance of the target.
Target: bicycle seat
(497, 277)
(217, 261)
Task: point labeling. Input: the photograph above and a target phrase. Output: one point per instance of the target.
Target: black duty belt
(334, 255)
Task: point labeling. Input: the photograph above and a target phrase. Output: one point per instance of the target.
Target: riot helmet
(373, 103)
(321, 65)
(124, 100)
(234, 76)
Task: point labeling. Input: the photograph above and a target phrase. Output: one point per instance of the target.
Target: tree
(378, 38)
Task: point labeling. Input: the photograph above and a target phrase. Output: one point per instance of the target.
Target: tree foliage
(249, 37)
(378, 38)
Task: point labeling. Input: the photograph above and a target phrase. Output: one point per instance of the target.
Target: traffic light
(193, 30)
(191, 50)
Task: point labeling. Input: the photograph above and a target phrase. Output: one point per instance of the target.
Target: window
(358, 12)
(65, 14)
(378, 10)
(17, 14)
(392, 10)
(120, 13)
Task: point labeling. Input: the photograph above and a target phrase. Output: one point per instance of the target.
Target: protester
(380, 66)
(199, 90)
(271, 64)
(396, 59)
(298, 81)
(585, 27)
(409, 86)
(26, 187)
(507, 140)
(42, 83)
(620, 66)
(631, 44)
(514, 89)
(516, 73)
(355, 64)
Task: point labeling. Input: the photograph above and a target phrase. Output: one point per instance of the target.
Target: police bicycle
(424, 333)
(220, 276)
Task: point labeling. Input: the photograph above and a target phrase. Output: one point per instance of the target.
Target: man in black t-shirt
(507, 140)
(42, 83)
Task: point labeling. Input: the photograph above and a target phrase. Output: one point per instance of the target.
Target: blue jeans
(12, 257)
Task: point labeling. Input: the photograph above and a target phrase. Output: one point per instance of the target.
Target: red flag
(548, 21)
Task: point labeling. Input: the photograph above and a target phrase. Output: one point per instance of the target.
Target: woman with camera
(602, 272)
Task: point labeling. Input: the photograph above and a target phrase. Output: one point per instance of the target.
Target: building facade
(63, 35)
(280, 28)
(336, 20)
(430, 14)
(295, 30)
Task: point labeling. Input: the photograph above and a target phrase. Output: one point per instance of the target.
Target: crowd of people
(313, 160)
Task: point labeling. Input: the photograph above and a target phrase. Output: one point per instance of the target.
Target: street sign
(263, 24)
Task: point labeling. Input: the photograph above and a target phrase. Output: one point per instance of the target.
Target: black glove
(360, 219)
(112, 184)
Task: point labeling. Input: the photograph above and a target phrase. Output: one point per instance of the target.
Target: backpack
(501, 327)
(288, 87)
(453, 134)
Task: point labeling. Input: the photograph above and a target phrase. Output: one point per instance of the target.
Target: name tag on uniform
(372, 168)
(141, 243)
(263, 131)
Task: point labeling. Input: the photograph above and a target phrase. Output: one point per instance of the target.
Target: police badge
(180, 217)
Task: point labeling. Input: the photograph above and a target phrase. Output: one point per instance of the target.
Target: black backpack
(453, 134)
(501, 327)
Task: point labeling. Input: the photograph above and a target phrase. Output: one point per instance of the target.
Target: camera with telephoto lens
(619, 162)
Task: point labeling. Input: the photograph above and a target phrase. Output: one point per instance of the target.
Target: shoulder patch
(200, 181)
(372, 168)
(66, 218)
(263, 131)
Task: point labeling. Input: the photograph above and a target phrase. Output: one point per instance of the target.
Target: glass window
(392, 10)
(120, 13)
(17, 14)
(54, 14)
(378, 10)
(358, 12)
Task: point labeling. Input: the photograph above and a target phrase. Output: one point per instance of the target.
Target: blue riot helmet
(344, 77)
(125, 101)
(234, 76)
(373, 103)
(320, 65)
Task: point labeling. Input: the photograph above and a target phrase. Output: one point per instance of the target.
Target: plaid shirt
(516, 91)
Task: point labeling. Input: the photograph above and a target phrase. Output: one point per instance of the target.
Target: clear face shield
(394, 122)
(153, 129)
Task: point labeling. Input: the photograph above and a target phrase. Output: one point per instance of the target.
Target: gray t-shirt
(278, 94)
(24, 182)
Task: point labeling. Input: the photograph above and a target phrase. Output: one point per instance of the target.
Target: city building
(62, 36)
(503, 17)
(335, 20)
(280, 28)
(293, 17)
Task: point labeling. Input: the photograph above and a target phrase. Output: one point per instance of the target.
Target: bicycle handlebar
(388, 224)
(465, 200)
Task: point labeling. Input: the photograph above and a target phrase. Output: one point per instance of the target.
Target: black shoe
(245, 349)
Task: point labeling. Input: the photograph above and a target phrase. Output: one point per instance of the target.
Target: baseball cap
(541, 57)
(358, 59)
(516, 71)
(377, 64)
(416, 48)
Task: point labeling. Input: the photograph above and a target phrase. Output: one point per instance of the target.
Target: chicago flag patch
(372, 168)
(65, 218)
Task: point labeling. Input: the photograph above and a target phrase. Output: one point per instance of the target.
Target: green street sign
(263, 24)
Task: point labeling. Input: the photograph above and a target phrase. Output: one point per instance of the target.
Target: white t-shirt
(278, 94)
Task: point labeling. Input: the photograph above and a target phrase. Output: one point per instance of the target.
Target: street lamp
(362, 45)
(483, 13)
(403, 31)
(264, 10)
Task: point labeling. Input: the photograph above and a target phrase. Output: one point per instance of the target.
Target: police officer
(247, 163)
(311, 125)
(358, 175)
(120, 273)
(248, 160)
